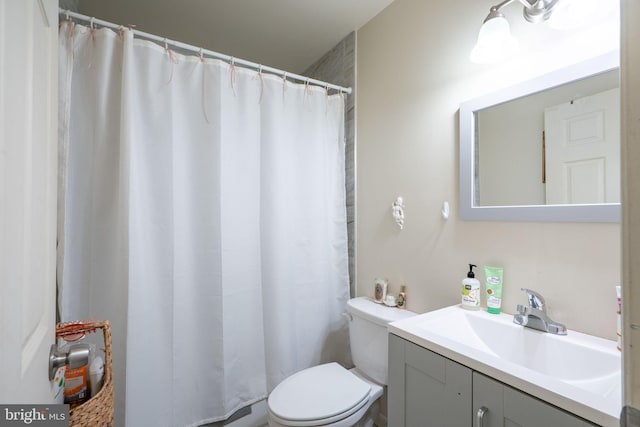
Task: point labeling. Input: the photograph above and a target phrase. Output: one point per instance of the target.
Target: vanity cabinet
(427, 389)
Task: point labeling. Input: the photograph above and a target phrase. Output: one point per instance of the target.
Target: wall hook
(397, 210)
(445, 210)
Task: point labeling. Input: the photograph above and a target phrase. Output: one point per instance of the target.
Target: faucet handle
(535, 299)
(522, 310)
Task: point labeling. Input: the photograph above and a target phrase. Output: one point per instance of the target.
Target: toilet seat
(319, 395)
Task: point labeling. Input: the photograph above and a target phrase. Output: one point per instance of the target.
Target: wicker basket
(98, 410)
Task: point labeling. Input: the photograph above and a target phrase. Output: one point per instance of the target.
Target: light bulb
(495, 41)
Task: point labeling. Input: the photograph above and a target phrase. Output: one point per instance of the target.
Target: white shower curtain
(203, 213)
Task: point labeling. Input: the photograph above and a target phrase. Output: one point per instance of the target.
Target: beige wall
(412, 73)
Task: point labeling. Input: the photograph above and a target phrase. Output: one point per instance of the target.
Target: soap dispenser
(471, 290)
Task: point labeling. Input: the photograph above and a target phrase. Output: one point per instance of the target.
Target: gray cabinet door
(426, 389)
(508, 407)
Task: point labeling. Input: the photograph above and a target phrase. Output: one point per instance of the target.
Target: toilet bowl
(329, 395)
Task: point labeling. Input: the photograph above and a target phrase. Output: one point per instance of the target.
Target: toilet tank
(368, 335)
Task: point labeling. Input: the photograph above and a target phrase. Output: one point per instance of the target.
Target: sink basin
(577, 372)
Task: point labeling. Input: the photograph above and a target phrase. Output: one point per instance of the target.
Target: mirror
(547, 149)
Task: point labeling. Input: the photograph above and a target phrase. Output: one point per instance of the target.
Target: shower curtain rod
(210, 53)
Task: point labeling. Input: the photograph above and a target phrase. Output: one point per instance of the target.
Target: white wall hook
(445, 210)
(397, 210)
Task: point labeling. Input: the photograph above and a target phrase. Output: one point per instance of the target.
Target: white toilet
(331, 396)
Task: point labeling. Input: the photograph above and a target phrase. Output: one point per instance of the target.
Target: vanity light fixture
(495, 40)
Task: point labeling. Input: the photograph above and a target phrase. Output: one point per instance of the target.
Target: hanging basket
(98, 410)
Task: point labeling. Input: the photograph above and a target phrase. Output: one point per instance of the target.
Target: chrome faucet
(535, 315)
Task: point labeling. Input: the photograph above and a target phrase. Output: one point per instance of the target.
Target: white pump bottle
(471, 290)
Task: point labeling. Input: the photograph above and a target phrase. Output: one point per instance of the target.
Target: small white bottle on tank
(471, 290)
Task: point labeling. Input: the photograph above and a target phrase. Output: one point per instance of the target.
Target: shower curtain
(202, 211)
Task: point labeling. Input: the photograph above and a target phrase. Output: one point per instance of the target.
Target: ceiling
(286, 34)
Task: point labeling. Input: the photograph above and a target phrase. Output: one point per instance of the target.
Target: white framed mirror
(547, 149)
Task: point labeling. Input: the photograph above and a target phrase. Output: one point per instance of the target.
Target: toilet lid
(318, 393)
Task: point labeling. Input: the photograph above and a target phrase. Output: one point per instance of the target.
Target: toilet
(329, 395)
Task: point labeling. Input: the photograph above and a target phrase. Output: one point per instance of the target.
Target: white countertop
(590, 389)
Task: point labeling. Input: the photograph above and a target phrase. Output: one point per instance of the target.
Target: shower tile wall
(72, 5)
(338, 66)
